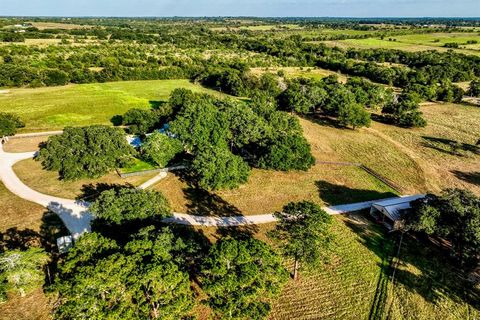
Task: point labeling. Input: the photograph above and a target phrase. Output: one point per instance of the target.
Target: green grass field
(415, 42)
(54, 108)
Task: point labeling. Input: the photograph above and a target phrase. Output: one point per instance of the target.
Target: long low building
(390, 212)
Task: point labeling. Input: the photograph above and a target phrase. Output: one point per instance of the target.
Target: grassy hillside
(445, 150)
(54, 108)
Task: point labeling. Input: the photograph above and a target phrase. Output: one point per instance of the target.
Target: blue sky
(321, 8)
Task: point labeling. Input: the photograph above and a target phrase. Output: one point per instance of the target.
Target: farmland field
(53, 108)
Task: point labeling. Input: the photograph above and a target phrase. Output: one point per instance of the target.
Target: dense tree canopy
(288, 152)
(303, 232)
(21, 271)
(87, 152)
(140, 121)
(142, 280)
(160, 148)
(240, 276)
(217, 167)
(9, 123)
(120, 205)
(225, 136)
(454, 216)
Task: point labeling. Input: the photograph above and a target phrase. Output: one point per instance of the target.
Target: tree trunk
(295, 269)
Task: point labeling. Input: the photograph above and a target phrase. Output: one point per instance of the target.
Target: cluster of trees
(404, 111)
(222, 137)
(9, 123)
(85, 152)
(226, 136)
(133, 266)
(454, 216)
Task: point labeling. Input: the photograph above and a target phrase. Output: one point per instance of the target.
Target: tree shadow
(243, 232)
(334, 194)
(470, 177)
(420, 267)
(51, 228)
(382, 118)
(157, 104)
(117, 120)
(449, 146)
(205, 203)
(323, 120)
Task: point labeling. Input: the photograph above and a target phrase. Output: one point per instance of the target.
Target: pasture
(295, 72)
(53, 108)
(415, 42)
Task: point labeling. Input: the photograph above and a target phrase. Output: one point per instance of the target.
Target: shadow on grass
(435, 276)
(205, 203)
(449, 146)
(323, 120)
(470, 177)
(51, 228)
(334, 194)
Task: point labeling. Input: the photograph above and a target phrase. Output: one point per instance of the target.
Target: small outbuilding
(390, 212)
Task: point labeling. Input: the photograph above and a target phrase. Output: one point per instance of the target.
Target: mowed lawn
(295, 72)
(53, 108)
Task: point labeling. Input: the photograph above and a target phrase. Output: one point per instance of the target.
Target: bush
(55, 77)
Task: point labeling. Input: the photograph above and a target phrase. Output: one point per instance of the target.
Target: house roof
(395, 207)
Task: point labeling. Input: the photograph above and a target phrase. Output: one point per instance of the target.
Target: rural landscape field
(239, 167)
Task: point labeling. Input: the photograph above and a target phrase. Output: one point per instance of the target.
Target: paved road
(77, 219)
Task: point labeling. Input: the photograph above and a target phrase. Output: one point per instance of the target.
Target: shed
(390, 212)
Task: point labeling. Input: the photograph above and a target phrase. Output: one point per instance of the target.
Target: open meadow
(53, 108)
(415, 42)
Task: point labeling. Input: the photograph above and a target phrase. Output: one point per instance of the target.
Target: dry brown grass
(24, 144)
(294, 72)
(19, 213)
(56, 25)
(441, 149)
(35, 306)
(32, 174)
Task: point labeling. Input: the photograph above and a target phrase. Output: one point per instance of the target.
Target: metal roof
(395, 207)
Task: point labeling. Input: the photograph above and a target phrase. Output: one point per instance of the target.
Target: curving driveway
(77, 219)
